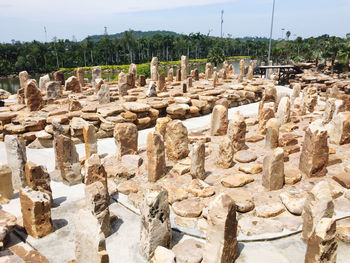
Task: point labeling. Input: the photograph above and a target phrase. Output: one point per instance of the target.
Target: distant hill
(137, 34)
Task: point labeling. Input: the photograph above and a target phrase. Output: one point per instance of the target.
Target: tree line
(39, 57)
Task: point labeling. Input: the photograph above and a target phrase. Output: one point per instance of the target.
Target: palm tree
(216, 55)
(332, 49)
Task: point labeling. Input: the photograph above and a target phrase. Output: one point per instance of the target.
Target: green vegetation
(139, 47)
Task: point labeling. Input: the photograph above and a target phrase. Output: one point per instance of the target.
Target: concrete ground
(122, 244)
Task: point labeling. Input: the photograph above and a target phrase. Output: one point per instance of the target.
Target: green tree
(216, 55)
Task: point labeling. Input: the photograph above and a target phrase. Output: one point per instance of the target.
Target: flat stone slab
(245, 156)
(191, 207)
(237, 180)
(250, 168)
(343, 179)
(190, 251)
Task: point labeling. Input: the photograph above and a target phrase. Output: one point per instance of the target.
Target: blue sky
(80, 18)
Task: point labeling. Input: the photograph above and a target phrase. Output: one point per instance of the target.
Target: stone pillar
(226, 152)
(53, 91)
(90, 139)
(178, 75)
(319, 204)
(122, 84)
(142, 80)
(198, 161)
(250, 74)
(176, 139)
(80, 76)
(59, 76)
(96, 74)
(38, 178)
(16, 159)
(237, 130)
(94, 171)
(273, 170)
(57, 130)
(283, 111)
(68, 160)
(154, 69)
(266, 113)
(36, 212)
(170, 75)
(43, 81)
(322, 245)
(151, 90)
(125, 137)
(184, 67)
(161, 124)
(314, 155)
(296, 92)
(155, 222)
(241, 69)
(221, 240)
(155, 156)
(272, 133)
(103, 94)
(97, 85)
(196, 74)
(33, 95)
(340, 129)
(161, 82)
(219, 121)
(215, 79)
(184, 87)
(23, 77)
(208, 71)
(133, 70)
(73, 84)
(189, 82)
(6, 188)
(270, 95)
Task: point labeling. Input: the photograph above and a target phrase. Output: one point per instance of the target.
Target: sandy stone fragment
(314, 155)
(272, 133)
(343, 230)
(245, 156)
(176, 138)
(283, 111)
(237, 180)
(221, 238)
(6, 188)
(270, 209)
(90, 139)
(189, 251)
(163, 255)
(251, 226)
(73, 84)
(38, 178)
(155, 156)
(340, 129)
(273, 171)
(198, 160)
(343, 179)
(103, 94)
(250, 168)
(154, 69)
(80, 76)
(319, 204)
(59, 76)
(36, 212)
(322, 245)
(95, 171)
(155, 222)
(34, 100)
(151, 90)
(191, 207)
(243, 199)
(125, 137)
(237, 130)
(23, 77)
(219, 121)
(226, 152)
(267, 112)
(200, 188)
(292, 176)
(161, 82)
(16, 159)
(293, 200)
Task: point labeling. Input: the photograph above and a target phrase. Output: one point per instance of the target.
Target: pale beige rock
(176, 138)
(125, 137)
(283, 111)
(43, 81)
(184, 69)
(237, 130)
(245, 156)
(237, 180)
(191, 207)
(34, 100)
(80, 76)
(38, 178)
(72, 83)
(103, 94)
(273, 171)
(250, 168)
(329, 112)
(155, 156)
(314, 155)
(322, 245)
(154, 69)
(155, 222)
(219, 121)
(90, 139)
(272, 133)
(198, 160)
(340, 131)
(319, 204)
(23, 77)
(226, 152)
(189, 251)
(163, 255)
(6, 188)
(221, 235)
(267, 112)
(293, 200)
(161, 124)
(200, 188)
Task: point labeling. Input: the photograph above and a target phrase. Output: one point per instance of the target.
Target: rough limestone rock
(36, 212)
(33, 95)
(184, 69)
(6, 188)
(53, 91)
(125, 137)
(80, 76)
(7, 224)
(154, 69)
(293, 200)
(226, 152)
(322, 245)
(16, 159)
(161, 82)
(272, 133)
(73, 84)
(103, 94)
(273, 171)
(176, 138)
(163, 255)
(43, 81)
(245, 156)
(59, 76)
(96, 74)
(237, 130)
(319, 204)
(68, 160)
(340, 131)
(178, 75)
(219, 121)
(38, 178)
(198, 160)
(267, 112)
(237, 180)
(155, 156)
(314, 155)
(189, 251)
(283, 110)
(90, 139)
(155, 222)
(151, 90)
(221, 235)
(161, 124)
(95, 171)
(23, 77)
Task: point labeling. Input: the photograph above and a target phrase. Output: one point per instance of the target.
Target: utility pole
(282, 33)
(45, 34)
(269, 54)
(106, 33)
(222, 21)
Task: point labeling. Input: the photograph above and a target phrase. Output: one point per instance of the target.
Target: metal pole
(222, 21)
(269, 54)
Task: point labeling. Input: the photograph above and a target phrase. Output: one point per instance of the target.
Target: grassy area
(144, 68)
